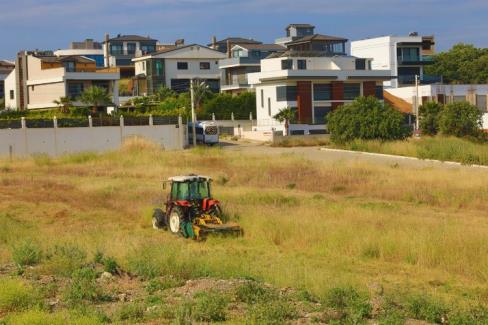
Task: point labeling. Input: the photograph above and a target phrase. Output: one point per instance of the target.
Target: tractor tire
(174, 220)
(216, 211)
(158, 219)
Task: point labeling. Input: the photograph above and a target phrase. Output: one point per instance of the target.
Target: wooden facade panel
(304, 101)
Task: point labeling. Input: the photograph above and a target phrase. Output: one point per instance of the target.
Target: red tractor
(190, 210)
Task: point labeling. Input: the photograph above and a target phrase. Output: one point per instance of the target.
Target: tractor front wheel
(174, 220)
(158, 219)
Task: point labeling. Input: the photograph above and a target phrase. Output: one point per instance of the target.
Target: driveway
(334, 155)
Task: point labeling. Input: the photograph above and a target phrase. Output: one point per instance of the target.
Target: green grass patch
(15, 295)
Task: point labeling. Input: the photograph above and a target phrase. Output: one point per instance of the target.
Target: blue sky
(53, 24)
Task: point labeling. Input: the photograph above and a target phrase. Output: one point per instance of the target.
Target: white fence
(56, 140)
(485, 121)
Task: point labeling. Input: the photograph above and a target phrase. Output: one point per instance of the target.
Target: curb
(453, 163)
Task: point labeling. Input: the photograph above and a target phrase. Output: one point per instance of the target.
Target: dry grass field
(354, 242)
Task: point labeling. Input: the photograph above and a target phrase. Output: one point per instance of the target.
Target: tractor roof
(188, 178)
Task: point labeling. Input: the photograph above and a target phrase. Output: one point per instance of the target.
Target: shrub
(65, 259)
(39, 317)
(223, 105)
(426, 308)
(210, 306)
(16, 296)
(130, 311)
(110, 265)
(366, 118)
(163, 284)
(26, 253)
(83, 286)
(350, 303)
(253, 292)
(429, 117)
(460, 119)
(272, 312)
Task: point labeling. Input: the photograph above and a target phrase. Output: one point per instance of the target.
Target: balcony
(416, 60)
(424, 80)
(240, 61)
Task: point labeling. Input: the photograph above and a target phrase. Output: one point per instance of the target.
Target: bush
(272, 312)
(26, 253)
(110, 265)
(16, 296)
(253, 292)
(426, 308)
(460, 119)
(131, 311)
(83, 286)
(429, 117)
(38, 317)
(210, 306)
(366, 118)
(65, 259)
(223, 105)
(350, 303)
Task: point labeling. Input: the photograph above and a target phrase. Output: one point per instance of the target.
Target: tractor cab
(190, 188)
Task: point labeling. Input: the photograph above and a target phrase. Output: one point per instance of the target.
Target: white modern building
(404, 56)
(404, 98)
(176, 67)
(39, 79)
(313, 83)
(87, 48)
(5, 68)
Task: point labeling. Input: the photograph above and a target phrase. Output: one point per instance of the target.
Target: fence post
(55, 126)
(213, 117)
(121, 130)
(90, 121)
(151, 122)
(22, 122)
(181, 132)
(55, 122)
(232, 116)
(121, 120)
(250, 116)
(26, 140)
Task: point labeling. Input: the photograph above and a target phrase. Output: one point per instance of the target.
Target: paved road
(333, 155)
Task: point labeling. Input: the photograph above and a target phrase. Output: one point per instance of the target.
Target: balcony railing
(422, 59)
(239, 61)
(424, 80)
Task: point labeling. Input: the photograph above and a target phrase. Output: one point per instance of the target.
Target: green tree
(463, 63)
(429, 117)
(63, 103)
(460, 119)
(201, 92)
(163, 92)
(96, 97)
(286, 115)
(366, 118)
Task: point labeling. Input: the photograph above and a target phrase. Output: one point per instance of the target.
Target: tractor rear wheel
(158, 219)
(174, 220)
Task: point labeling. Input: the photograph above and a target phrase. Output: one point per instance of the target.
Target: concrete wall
(43, 95)
(57, 141)
(193, 71)
(485, 121)
(10, 82)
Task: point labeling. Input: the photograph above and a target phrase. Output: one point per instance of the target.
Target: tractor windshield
(196, 190)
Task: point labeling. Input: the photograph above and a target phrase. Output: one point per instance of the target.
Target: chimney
(228, 48)
(214, 42)
(106, 56)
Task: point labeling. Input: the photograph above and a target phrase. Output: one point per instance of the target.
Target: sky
(54, 24)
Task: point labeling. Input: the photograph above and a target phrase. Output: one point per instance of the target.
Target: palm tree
(64, 103)
(286, 115)
(200, 92)
(96, 97)
(164, 92)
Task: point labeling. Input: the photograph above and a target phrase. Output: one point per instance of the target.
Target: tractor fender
(182, 203)
(208, 203)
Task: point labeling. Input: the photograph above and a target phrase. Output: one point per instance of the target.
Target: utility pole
(416, 103)
(193, 117)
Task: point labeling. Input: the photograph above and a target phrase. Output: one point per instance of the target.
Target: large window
(408, 54)
(286, 64)
(262, 98)
(321, 92)
(145, 48)
(351, 91)
(70, 66)
(320, 114)
(75, 89)
(302, 64)
(204, 65)
(131, 48)
(360, 64)
(180, 85)
(286, 93)
(458, 99)
(116, 49)
(159, 68)
(12, 94)
(182, 65)
(269, 107)
(481, 102)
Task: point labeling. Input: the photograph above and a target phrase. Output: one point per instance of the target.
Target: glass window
(116, 49)
(459, 99)
(286, 93)
(182, 65)
(269, 106)
(379, 92)
(12, 94)
(204, 65)
(131, 48)
(351, 91)
(320, 114)
(147, 48)
(321, 92)
(302, 64)
(159, 68)
(75, 89)
(262, 98)
(286, 64)
(180, 85)
(360, 64)
(143, 66)
(70, 66)
(481, 102)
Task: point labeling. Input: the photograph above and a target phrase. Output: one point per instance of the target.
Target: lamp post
(416, 103)
(193, 117)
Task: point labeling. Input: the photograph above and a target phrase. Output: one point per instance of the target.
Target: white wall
(10, 82)
(485, 121)
(56, 141)
(193, 71)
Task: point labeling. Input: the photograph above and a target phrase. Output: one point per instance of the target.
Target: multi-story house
(5, 68)
(119, 51)
(87, 48)
(176, 67)
(405, 56)
(314, 83)
(41, 78)
(226, 44)
(245, 59)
